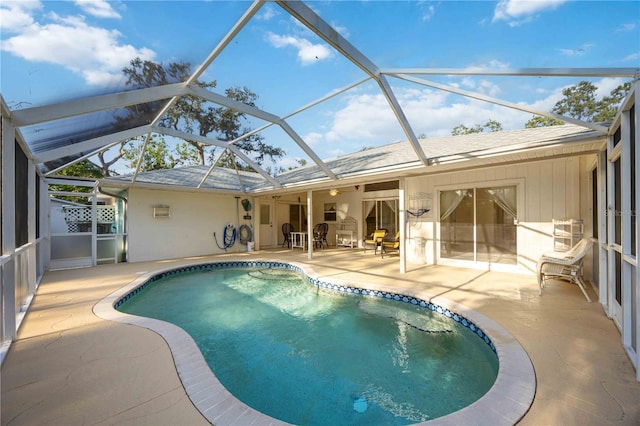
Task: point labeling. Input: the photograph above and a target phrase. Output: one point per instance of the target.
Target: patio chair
(320, 232)
(287, 229)
(375, 240)
(390, 246)
(564, 265)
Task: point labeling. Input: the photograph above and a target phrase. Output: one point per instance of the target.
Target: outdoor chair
(287, 229)
(564, 265)
(320, 232)
(390, 246)
(375, 240)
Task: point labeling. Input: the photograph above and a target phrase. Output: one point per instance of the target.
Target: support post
(403, 225)
(309, 224)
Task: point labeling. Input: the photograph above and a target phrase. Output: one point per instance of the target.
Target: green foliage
(490, 125)
(85, 169)
(157, 155)
(541, 121)
(580, 102)
(608, 105)
(192, 114)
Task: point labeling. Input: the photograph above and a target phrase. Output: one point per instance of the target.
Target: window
(330, 212)
(479, 224)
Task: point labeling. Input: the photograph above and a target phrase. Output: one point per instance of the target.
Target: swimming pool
(406, 324)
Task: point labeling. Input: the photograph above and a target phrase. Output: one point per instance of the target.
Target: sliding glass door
(381, 214)
(479, 224)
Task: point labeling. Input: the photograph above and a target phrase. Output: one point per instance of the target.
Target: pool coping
(505, 403)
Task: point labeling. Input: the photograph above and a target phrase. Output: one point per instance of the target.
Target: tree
(608, 105)
(543, 121)
(194, 115)
(85, 169)
(157, 155)
(490, 125)
(580, 102)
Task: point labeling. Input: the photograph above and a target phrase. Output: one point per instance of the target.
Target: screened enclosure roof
(387, 162)
(292, 100)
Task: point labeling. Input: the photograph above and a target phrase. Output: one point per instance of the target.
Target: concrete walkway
(69, 367)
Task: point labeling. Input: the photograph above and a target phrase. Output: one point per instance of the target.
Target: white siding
(189, 230)
(546, 190)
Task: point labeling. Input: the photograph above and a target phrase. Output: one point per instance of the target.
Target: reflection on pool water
(308, 355)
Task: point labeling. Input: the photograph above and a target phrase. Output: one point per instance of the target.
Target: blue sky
(56, 50)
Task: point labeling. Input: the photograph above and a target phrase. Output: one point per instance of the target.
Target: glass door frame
(472, 186)
(377, 201)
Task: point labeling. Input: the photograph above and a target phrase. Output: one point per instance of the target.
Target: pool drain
(360, 405)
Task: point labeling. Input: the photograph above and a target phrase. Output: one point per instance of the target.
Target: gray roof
(220, 179)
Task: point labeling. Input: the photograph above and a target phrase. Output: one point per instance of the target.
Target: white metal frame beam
(94, 144)
(52, 112)
(518, 72)
(311, 20)
(263, 115)
(219, 143)
(481, 97)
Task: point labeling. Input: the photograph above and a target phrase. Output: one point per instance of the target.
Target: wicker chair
(320, 232)
(564, 265)
(287, 229)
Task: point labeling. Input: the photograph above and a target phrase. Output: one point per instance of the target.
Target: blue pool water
(311, 356)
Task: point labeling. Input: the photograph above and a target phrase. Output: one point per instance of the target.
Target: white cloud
(308, 52)
(366, 117)
(427, 11)
(268, 13)
(367, 120)
(92, 52)
(481, 86)
(313, 138)
(607, 84)
(16, 15)
(624, 28)
(98, 8)
(632, 57)
(517, 12)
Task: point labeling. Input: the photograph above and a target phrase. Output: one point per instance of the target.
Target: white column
(403, 228)
(602, 244)
(31, 228)
(625, 218)
(309, 225)
(636, 88)
(8, 230)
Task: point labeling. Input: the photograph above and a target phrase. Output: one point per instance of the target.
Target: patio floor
(70, 367)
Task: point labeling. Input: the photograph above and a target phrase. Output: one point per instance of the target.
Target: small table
(345, 238)
(298, 239)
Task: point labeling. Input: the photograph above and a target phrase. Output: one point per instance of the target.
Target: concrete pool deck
(68, 366)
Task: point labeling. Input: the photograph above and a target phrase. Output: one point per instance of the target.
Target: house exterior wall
(194, 217)
(347, 203)
(547, 190)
